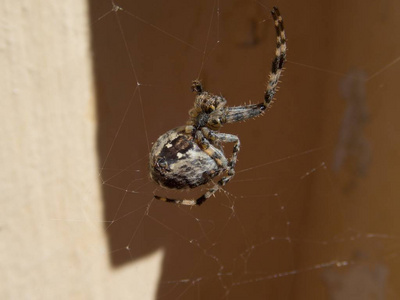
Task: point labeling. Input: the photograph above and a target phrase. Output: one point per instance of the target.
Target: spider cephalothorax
(192, 155)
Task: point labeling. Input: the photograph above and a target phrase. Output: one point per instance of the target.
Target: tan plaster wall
(52, 241)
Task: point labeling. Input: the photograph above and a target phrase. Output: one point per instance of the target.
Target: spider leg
(280, 57)
(230, 170)
(229, 138)
(212, 151)
(241, 113)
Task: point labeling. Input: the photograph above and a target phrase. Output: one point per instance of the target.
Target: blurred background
(312, 212)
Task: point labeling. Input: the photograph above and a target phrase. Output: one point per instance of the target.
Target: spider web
(302, 217)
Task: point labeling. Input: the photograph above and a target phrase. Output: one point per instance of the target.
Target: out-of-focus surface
(312, 212)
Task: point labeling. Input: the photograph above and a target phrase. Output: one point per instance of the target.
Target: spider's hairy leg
(230, 170)
(191, 202)
(225, 138)
(218, 101)
(216, 154)
(229, 138)
(241, 113)
(279, 60)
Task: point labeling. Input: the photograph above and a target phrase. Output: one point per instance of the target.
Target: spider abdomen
(177, 162)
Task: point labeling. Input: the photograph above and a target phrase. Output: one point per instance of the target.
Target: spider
(192, 155)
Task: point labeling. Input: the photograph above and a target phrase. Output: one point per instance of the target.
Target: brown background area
(347, 215)
(293, 224)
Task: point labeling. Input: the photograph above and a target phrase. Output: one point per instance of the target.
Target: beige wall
(52, 242)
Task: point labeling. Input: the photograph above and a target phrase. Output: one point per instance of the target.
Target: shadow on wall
(127, 50)
(254, 240)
